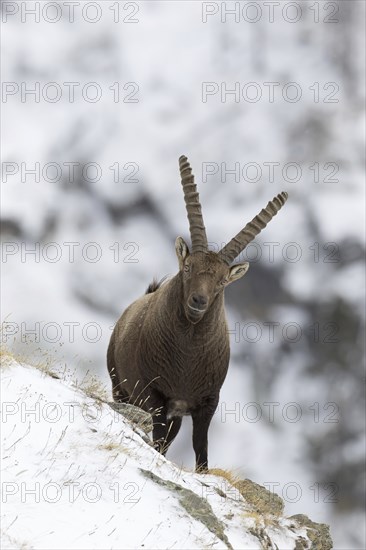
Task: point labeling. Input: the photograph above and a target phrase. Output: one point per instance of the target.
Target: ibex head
(205, 273)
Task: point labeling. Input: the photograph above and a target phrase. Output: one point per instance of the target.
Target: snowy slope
(76, 474)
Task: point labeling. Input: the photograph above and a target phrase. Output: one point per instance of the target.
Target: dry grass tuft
(229, 475)
(93, 387)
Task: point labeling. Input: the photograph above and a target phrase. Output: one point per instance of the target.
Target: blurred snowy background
(99, 100)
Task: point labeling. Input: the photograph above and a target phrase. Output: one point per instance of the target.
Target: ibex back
(169, 351)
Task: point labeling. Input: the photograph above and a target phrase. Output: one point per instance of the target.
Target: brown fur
(169, 351)
(160, 357)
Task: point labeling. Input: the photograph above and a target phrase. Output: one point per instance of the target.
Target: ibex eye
(187, 268)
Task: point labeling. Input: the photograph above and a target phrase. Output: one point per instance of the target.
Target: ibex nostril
(198, 301)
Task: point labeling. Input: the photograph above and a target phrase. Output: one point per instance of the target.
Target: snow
(72, 477)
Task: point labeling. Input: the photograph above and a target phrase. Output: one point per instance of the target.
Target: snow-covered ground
(76, 475)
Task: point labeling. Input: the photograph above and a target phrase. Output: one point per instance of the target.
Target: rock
(318, 533)
(137, 416)
(262, 500)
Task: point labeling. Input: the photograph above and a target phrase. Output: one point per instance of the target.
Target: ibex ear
(237, 271)
(182, 251)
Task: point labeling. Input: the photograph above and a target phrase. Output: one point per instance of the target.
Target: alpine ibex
(169, 351)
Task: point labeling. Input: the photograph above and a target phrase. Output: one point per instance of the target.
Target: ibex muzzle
(169, 351)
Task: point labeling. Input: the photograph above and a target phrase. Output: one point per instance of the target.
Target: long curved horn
(193, 206)
(251, 230)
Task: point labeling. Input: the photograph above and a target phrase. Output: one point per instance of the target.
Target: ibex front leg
(201, 421)
(164, 430)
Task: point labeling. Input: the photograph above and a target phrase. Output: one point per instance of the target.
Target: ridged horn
(193, 206)
(237, 244)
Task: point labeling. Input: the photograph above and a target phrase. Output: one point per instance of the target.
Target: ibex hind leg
(120, 395)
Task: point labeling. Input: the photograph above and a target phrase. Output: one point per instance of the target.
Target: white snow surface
(72, 478)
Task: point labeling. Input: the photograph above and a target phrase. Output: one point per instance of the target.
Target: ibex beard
(169, 351)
